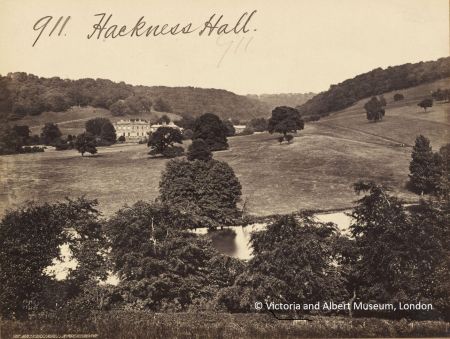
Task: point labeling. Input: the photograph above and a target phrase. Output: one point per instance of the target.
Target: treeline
(24, 94)
(373, 83)
(283, 99)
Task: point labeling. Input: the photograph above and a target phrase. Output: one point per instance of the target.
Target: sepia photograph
(224, 169)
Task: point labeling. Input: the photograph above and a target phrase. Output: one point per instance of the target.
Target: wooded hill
(23, 94)
(375, 82)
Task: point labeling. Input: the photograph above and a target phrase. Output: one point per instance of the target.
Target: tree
(209, 189)
(161, 266)
(199, 150)
(101, 128)
(398, 97)
(10, 141)
(162, 106)
(85, 142)
(212, 130)
(293, 259)
(121, 138)
(425, 103)
(382, 100)
(289, 138)
(50, 133)
(441, 95)
(400, 254)
(30, 239)
(423, 168)
(108, 133)
(374, 109)
(186, 122)
(120, 108)
(285, 120)
(163, 120)
(230, 130)
(162, 142)
(188, 134)
(258, 124)
(23, 132)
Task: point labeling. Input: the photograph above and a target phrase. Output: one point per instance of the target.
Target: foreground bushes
(139, 324)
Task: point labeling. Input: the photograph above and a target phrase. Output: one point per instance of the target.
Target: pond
(237, 246)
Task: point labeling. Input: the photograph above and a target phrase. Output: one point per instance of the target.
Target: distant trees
(230, 130)
(162, 142)
(163, 120)
(209, 189)
(425, 103)
(285, 120)
(398, 97)
(199, 150)
(374, 109)
(212, 130)
(10, 141)
(258, 124)
(103, 129)
(50, 133)
(186, 122)
(161, 105)
(372, 83)
(424, 167)
(382, 100)
(86, 143)
(441, 95)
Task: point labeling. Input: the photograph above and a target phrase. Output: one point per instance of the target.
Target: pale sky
(292, 45)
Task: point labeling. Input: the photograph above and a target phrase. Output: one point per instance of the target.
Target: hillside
(375, 82)
(316, 171)
(283, 99)
(23, 95)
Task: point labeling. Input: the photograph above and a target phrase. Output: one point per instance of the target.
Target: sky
(290, 46)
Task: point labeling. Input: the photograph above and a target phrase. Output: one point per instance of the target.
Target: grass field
(140, 324)
(316, 171)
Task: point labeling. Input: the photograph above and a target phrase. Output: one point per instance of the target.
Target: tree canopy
(162, 142)
(85, 143)
(211, 129)
(285, 120)
(374, 109)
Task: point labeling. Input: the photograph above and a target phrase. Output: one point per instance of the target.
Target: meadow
(316, 171)
(141, 324)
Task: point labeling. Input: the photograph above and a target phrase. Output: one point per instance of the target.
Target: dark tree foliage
(382, 100)
(293, 262)
(426, 103)
(23, 132)
(162, 267)
(188, 134)
(101, 128)
(373, 83)
(210, 189)
(162, 105)
(424, 167)
(186, 122)
(230, 130)
(289, 138)
(10, 141)
(164, 119)
(441, 94)
(399, 254)
(258, 124)
(29, 241)
(212, 130)
(398, 97)
(50, 133)
(162, 142)
(86, 142)
(199, 150)
(285, 120)
(374, 109)
(121, 138)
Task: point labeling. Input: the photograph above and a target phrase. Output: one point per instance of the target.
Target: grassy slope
(314, 172)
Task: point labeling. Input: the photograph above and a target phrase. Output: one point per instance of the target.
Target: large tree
(161, 266)
(425, 103)
(85, 142)
(50, 133)
(423, 167)
(285, 120)
(208, 188)
(293, 261)
(374, 109)
(102, 128)
(199, 150)
(163, 141)
(211, 129)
